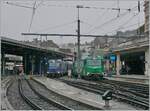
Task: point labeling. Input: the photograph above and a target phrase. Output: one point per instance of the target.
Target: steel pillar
(147, 63)
(118, 64)
(107, 66)
(37, 64)
(32, 64)
(3, 63)
(26, 63)
(40, 67)
(78, 34)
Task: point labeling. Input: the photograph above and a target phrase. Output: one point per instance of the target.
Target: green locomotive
(91, 68)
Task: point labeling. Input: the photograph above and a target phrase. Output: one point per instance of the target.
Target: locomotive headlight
(47, 72)
(103, 73)
(58, 72)
(88, 73)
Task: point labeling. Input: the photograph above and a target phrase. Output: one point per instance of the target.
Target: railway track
(36, 100)
(15, 98)
(119, 94)
(134, 87)
(71, 103)
(140, 93)
(29, 102)
(5, 85)
(31, 95)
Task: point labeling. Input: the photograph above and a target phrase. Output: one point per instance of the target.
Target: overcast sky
(61, 17)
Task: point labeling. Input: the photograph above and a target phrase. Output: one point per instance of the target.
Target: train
(58, 68)
(89, 68)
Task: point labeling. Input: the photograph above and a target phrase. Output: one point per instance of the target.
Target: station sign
(113, 57)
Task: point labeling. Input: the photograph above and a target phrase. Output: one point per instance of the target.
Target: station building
(134, 53)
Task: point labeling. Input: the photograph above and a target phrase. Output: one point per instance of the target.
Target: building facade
(146, 10)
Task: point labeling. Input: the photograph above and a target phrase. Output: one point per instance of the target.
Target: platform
(81, 95)
(141, 79)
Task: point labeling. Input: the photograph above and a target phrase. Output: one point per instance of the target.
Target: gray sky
(61, 17)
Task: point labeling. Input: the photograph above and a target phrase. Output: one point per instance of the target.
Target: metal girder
(74, 35)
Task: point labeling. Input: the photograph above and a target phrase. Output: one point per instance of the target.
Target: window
(94, 62)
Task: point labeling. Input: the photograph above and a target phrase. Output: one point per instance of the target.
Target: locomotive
(90, 68)
(57, 68)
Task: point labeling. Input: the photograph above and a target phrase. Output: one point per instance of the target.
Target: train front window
(54, 64)
(93, 62)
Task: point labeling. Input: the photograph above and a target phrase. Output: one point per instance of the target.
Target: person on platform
(69, 73)
(21, 74)
(127, 69)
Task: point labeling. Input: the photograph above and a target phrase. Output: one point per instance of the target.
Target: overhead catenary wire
(24, 4)
(87, 7)
(57, 26)
(19, 2)
(121, 26)
(111, 20)
(40, 4)
(75, 7)
(129, 20)
(128, 26)
(118, 8)
(29, 7)
(132, 25)
(101, 16)
(33, 13)
(99, 8)
(19, 5)
(85, 22)
(125, 23)
(98, 27)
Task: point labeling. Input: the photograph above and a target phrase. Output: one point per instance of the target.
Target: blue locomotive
(56, 68)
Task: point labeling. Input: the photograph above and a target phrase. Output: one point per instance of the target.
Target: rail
(142, 102)
(56, 104)
(29, 101)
